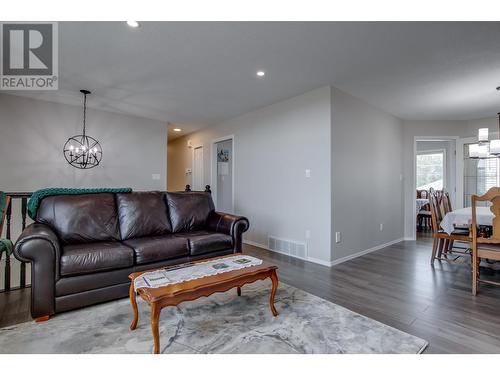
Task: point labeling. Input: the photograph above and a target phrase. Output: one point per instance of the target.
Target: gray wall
(273, 146)
(366, 176)
(33, 133)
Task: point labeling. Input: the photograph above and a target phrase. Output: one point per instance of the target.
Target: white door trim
(213, 167)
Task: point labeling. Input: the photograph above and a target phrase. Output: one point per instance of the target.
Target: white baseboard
(409, 239)
(336, 261)
(364, 252)
(308, 259)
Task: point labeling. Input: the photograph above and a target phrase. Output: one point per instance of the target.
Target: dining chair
(443, 242)
(485, 247)
(424, 215)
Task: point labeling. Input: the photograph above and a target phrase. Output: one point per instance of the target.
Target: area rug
(221, 323)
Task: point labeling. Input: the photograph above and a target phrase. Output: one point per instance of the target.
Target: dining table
(463, 216)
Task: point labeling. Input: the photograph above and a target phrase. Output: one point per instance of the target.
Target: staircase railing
(23, 196)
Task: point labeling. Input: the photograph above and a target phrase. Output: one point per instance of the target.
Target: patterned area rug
(221, 323)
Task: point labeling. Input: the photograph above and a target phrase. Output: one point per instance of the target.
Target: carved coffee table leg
(133, 302)
(238, 290)
(155, 315)
(274, 279)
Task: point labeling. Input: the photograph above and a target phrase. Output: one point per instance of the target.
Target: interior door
(225, 176)
(197, 184)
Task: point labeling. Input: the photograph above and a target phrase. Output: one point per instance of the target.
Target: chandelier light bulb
(482, 135)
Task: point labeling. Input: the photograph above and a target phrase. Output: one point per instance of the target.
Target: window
(479, 175)
(430, 170)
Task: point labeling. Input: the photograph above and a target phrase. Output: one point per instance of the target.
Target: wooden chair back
(446, 202)
(493, 196)
(436, 213)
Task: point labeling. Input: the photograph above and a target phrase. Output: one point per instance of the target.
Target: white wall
(366, 169)
(273, 146)
(33, 133)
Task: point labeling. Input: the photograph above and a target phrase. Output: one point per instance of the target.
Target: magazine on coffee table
(191, 271)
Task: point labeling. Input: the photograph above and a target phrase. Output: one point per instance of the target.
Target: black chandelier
(83, 151)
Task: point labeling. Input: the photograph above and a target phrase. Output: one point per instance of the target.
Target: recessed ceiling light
(261, 73)
(133, 24)
(176, 129)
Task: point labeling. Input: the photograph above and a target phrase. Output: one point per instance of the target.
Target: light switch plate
(308, 173)
(155, 176)
(338, 237)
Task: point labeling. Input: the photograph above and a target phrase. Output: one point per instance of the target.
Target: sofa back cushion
(81, 218)
(189, 211)
(142, 214)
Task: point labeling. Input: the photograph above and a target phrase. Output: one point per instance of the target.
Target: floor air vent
(288, 247)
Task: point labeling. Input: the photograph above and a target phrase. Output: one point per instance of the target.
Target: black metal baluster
(7, 257)
(22, 276)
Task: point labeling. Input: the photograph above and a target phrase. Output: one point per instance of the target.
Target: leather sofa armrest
(229, 224)
(39, 245)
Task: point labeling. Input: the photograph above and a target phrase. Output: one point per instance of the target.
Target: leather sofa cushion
(142, 214)
(81, 218)
(154, 249)
(189, 211)
(202, 242)
(94, 257)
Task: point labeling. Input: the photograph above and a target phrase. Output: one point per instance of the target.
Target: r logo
(28, 56)
(27, 49)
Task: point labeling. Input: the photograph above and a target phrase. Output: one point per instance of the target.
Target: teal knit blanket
(3, 203)
(38, 195)
(5, 245)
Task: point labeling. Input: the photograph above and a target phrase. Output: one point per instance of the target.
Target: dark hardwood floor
(396, 286)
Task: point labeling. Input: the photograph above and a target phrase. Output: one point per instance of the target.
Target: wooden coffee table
(172, 295)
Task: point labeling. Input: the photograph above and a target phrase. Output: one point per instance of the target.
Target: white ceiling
(204, 73)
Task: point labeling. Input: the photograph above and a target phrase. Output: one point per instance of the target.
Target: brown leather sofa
(83, 247)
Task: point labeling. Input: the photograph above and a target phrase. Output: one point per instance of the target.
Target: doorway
(197, 183)
(435, 167)
(223, 174)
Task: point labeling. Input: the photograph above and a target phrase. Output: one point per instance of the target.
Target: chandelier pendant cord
(84, 111)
